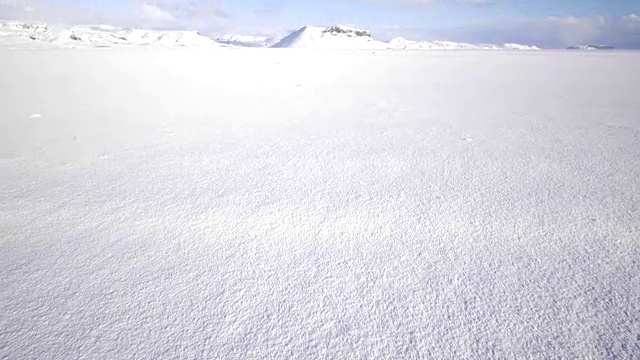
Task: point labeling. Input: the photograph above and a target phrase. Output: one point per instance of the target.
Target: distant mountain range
(344, 37)
(246, 40)
(33, 35)
(401, 43)
(336, 37)
(21, 35)
(591, 47)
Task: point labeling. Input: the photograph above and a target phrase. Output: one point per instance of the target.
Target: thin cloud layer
(155, 13)
(572, 30)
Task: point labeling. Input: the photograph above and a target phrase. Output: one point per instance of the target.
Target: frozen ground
(271, 203)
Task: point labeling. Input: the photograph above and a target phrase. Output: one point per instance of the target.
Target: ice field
(231, 203)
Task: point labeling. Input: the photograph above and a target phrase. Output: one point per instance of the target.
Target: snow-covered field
(273, 203)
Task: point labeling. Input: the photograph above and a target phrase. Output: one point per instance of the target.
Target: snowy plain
(274, 203)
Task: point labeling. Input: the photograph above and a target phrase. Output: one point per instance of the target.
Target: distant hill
(403, 44)
(18, 34)
(246, 40)
(336, 37)
(345, 37)
(591, 47)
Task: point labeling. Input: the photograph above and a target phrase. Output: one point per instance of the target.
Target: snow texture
(251, 203)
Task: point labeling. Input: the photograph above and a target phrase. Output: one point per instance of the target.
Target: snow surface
(37, 36)
(261, 203)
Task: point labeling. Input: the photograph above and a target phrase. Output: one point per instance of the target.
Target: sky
(546, 23)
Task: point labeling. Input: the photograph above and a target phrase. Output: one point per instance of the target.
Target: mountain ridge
(40, 35)
(15, 34)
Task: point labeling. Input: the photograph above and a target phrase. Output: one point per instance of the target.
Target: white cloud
(479, 2)
(631, 18)
(571, 30)
(548, 32)
(12, 6)
(210, 17)
(155, 13)
(393, 27)
(169, 14)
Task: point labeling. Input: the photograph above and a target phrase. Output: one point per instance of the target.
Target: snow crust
(218, 204)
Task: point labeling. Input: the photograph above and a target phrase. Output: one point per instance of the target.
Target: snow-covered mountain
(344, 37)
(246, 40)
(591, 47)
(18, 34)
(336, 37)
(36, 35)
(404, 44)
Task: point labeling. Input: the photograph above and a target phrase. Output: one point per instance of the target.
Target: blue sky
(548, 23)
